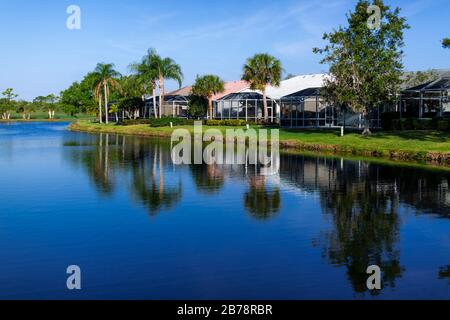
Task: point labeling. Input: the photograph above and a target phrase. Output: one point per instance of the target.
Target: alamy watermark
(374, 21)
(374, 281)
(74, 279)
(237, 147)
(73, 22)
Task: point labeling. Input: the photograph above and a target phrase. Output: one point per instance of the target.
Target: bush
(197, 107)
(388, 119)
(227, 123)
(443, 125)
(165, 122)
(396, 125)
(437, 123)
(406, 124)
(428, 124)
(134, 122)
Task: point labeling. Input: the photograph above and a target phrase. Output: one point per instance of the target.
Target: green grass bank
(419, 146)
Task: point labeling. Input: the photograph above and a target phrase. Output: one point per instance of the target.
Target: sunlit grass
(405, 145)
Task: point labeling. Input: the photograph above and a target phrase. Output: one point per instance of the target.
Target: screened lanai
(247, 106)
(305, 108)
(427, 100)
(174, 106)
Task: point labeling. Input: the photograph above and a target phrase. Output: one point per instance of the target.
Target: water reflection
(444, 273)
(209, 179)
(145, 165)
(361, 201)
(260, 202)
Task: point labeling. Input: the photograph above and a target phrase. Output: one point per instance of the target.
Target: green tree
(413, 79)
(131, 97)
(26, 109)
(72, 100)
(167, 69)
(8, 104)
(49, 103)
(79, 97)
(147, 72)
(446, 43)
(197, 107)
(207, 86)
(260, 71)
(365, 60)
(106, 78)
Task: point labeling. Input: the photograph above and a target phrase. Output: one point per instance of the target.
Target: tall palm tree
(260, 71)
(106, 79)
(207, 86)
(167, 69)
(147, 72)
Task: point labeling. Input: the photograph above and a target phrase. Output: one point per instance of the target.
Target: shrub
(416, 124)
(165, 122)
(396, 124)
(443, 125)
(134, 122)
(406, 124)
(437, 123)
(428, 124)
(387, 120)
(228, 122)
(197, 107)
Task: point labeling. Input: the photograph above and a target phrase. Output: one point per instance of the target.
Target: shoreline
(38, 120)
(292, 141)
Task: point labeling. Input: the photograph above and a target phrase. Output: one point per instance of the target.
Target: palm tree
(263, 70)
(167, 69)
(147, 72)
(106, 79)
(207, 86)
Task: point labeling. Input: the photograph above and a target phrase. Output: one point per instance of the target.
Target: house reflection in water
(362, 200)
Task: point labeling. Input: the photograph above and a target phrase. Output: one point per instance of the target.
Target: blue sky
(39, 55)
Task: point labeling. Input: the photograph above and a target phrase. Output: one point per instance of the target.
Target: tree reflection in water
(144, 162)
(444, 273)
(148, 182)
(261, 203)
(361, 200)
(208, 179)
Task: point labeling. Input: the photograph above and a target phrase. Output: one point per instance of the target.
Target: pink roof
(181, 92)
(230, 87)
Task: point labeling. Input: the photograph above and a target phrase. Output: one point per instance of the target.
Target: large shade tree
(79, 97)
(260, 71)
(106, 77)
(365, 59)
(207, 86)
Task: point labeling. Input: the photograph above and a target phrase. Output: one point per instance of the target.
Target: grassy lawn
(432, 146)
(384, 141)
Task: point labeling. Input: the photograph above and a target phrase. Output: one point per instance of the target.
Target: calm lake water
(142, 228)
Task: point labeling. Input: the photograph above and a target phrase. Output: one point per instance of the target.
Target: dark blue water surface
(141, 227)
